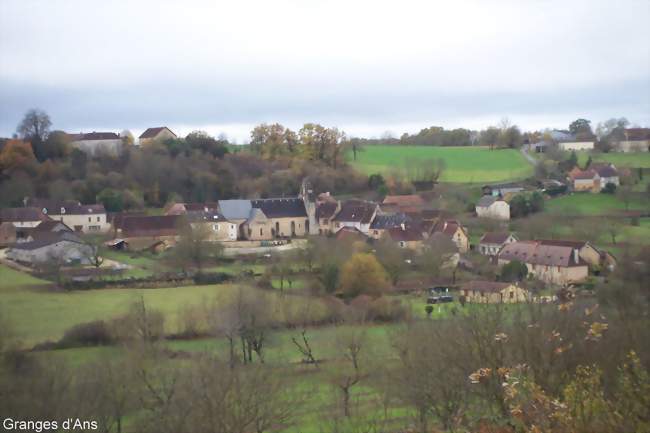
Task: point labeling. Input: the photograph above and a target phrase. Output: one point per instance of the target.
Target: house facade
(493, 207)
(384, 222)
(356, 214)
(94, 142)
(493, 292)
(408, 237)
(635, 140)
(455, 231)
(553, 264)
(576, 145)
(214, 225)
(492, 242)
(82, 218)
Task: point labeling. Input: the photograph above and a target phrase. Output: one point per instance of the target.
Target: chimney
(403, 226)
(576, 255)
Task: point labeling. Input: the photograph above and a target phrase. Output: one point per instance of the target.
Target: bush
(610, 188)
(211, 278)
(86, 334)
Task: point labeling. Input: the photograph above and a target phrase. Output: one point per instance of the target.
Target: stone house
(258, 226)
(554, 264)
(576, 145)
(81, 218)
(288, 216)
(384, 222)
(607, 174)
(325, 211)
(494, 292)
(502, 189)
(236, 211)
(406, 237)
(635, 140)
(591, 255)
(215, 226)
(356, 214)
(184, 208)
(140, 232)
(493, 207)
(492, 242)
(455, 231)
(584, 180)
(159, 134)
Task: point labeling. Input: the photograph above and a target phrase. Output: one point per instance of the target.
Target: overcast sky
(364, 66)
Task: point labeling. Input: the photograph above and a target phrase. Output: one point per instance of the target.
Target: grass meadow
(594, 204)
(635, 159)
(471, 164)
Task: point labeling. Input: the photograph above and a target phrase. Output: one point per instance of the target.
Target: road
(527, 155)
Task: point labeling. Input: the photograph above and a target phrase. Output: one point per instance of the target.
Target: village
(72, 236)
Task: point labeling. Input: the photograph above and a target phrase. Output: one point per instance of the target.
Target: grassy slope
(640, 159)
(463, 164)
(592, 204)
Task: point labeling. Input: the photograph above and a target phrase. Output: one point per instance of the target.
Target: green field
(592, 204)
(640, 159)
(462, 164)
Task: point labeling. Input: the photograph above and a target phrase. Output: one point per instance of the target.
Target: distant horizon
(240, 134)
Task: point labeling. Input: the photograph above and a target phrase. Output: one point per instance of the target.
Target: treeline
(195, 168)
(505, 136)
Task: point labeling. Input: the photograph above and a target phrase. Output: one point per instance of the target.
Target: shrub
(86, 334)
(211, 278)
(610, 188)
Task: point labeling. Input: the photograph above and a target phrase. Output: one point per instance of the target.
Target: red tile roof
(407, 234)
(538, 253)
(494, 238)
(486, 286)
(637, 134)
(410, 200)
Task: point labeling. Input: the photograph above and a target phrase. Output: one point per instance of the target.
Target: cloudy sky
(364, 66)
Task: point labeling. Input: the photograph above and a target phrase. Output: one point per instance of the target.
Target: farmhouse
(82, 218)
(23, 216)
(635, 140)
(236, 211)
(214, 225)
(325, 211)
(493, 207)
(554, 264)
(584, 180)
(357, 214)
(591, 255)
(60, 247)
(455, 231)
(492, 242)
(159, 134)
(381, 223)
(94, 142)
(492, 292)
(184, 208)
(406, 237)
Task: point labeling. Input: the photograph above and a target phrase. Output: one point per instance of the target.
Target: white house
(492, 242)
(82, 218)
(493, 207)
(94, 142)
(576, 145)
(356, 214)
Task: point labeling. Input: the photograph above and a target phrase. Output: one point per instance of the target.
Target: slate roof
(350, 233)
(236, 209)
(583, 174)
(205, 216)
(605, 170)
(256, 214)
(356, 211)
(48, 226)
(159, 225)
(117, 218)
(281, 207)
(494, 238)
(152, 132)
(326, 209)
(537, 253)
(387, 221)
(486, 286)
(22, 214)
(71, 207)
(43, 239)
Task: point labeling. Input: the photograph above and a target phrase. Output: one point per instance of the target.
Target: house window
(97, 219)
(89, 219)
(93, 228)
(512, 295)
(326, 221)
(215, 227)
(376, 232)
(261, 231)
(402, 244)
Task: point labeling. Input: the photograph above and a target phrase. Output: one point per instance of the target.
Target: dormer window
(45, 210)
(62, 210)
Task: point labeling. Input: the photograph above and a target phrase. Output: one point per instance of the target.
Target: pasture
(635, 160)
(470, 164)
(593, 204)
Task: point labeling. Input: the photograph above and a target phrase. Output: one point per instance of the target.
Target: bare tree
(350, 371)
(35, 125)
